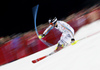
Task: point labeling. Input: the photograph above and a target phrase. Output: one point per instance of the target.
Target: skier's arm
(46, 32)
(48, 29)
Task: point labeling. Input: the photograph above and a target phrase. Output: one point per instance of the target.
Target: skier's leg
(64, 40)
(60, 44)
(59, 47)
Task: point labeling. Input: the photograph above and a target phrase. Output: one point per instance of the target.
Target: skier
(67, 33)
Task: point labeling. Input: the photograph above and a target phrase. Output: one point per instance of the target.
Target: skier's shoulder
(59, 21)
(62, 22)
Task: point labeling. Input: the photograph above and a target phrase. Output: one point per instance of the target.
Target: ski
(43, 57)
(38, 59)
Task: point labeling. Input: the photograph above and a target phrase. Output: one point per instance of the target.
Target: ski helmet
(52, 21)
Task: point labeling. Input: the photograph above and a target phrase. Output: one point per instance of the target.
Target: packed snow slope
(85, 55)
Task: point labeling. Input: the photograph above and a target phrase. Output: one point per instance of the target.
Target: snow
(85, 55)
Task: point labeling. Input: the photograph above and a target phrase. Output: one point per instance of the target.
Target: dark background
(16, 15)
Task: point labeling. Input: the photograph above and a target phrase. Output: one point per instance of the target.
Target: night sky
(16, 15)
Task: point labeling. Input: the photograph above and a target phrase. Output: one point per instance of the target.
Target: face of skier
(53, 24)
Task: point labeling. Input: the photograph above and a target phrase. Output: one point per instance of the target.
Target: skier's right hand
(74, 42)
(41, 36)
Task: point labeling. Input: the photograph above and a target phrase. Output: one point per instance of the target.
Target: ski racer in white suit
(67, 33)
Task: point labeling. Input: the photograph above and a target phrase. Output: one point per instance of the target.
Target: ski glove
(74, 42)
(41, 36)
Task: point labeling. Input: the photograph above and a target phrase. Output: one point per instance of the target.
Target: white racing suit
(67, 32)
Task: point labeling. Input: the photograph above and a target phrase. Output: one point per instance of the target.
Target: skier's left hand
(74, 42)
(41, 36)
